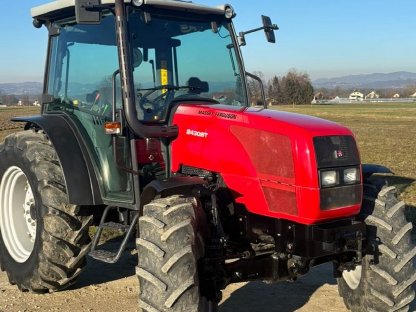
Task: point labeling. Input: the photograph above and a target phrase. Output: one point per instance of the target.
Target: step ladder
(107, 255)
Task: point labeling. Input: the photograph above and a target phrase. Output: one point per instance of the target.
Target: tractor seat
(196, 86)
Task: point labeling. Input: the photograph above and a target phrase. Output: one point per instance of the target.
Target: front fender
(80, 177)
(173, 185)
(370, 169)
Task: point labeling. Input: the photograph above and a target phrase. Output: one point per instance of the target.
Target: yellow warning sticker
(164, 78)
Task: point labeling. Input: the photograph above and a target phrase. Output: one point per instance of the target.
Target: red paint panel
(270, 153)
(281, 201)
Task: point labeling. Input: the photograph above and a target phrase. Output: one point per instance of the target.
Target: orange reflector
(112, 127)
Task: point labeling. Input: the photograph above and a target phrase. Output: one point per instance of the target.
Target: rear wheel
(169, 247)
(43, 239)
(382, 282)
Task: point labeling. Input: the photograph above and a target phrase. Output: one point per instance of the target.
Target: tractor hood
(256, 150)
(297, 122)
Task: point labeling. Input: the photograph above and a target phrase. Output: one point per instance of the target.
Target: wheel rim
(17, 214)
(353, 277)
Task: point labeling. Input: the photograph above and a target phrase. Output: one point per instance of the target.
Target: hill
(396, 80)
(20, 88)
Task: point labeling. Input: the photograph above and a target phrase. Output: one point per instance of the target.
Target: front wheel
(383, 281)
(169, 247)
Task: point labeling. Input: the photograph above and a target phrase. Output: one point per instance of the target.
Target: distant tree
(409, 90)
(9, 99)
(297, 88)
(25, 100)
(293, 88)
(275, 92)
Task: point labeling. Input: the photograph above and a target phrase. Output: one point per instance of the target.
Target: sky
(323, 38)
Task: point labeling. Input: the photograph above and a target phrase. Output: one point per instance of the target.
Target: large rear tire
(43, 238)
(169, 247)
(384, 281)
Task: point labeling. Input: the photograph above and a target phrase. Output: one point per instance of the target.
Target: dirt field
(106, 288)
(385, 135)
(6, 126)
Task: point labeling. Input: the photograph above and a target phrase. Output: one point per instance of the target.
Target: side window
(87, 76)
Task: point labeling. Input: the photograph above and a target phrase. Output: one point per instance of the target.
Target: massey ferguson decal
(226, 115)
(198, 134)
(204, 112)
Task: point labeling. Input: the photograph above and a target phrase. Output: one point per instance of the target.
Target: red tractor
(146, 127)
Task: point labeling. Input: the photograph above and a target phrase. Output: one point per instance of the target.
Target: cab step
(109, 256)
(115, 226)
(104, 255)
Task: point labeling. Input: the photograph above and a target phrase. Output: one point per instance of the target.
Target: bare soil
(105, 287)
(113, 287)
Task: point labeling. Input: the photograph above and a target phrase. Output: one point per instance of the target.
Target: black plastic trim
(173, 185)
(340, 196)
(80, 177)
(330, 153)
(370, 169)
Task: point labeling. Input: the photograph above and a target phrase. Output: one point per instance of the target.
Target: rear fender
(80, 177)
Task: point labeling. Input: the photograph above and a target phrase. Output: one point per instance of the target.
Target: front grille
(336, 151)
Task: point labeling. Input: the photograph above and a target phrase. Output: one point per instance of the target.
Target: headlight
(329, 178)
(351, 175)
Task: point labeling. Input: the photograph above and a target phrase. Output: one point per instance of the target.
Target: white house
(356, 96)
(372, 95)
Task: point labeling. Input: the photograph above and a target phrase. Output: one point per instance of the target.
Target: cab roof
(64, 8)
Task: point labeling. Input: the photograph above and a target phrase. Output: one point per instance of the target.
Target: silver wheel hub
(17, 214)
(353, 277)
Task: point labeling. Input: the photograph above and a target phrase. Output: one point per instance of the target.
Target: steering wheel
(154, 108)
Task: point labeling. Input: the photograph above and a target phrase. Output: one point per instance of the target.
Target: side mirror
(269, 28)
(88, 11)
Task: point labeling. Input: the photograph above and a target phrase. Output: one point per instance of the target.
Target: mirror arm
(265, 28)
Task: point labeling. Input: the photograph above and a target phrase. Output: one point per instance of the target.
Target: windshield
(182, 58)
(175, 58)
